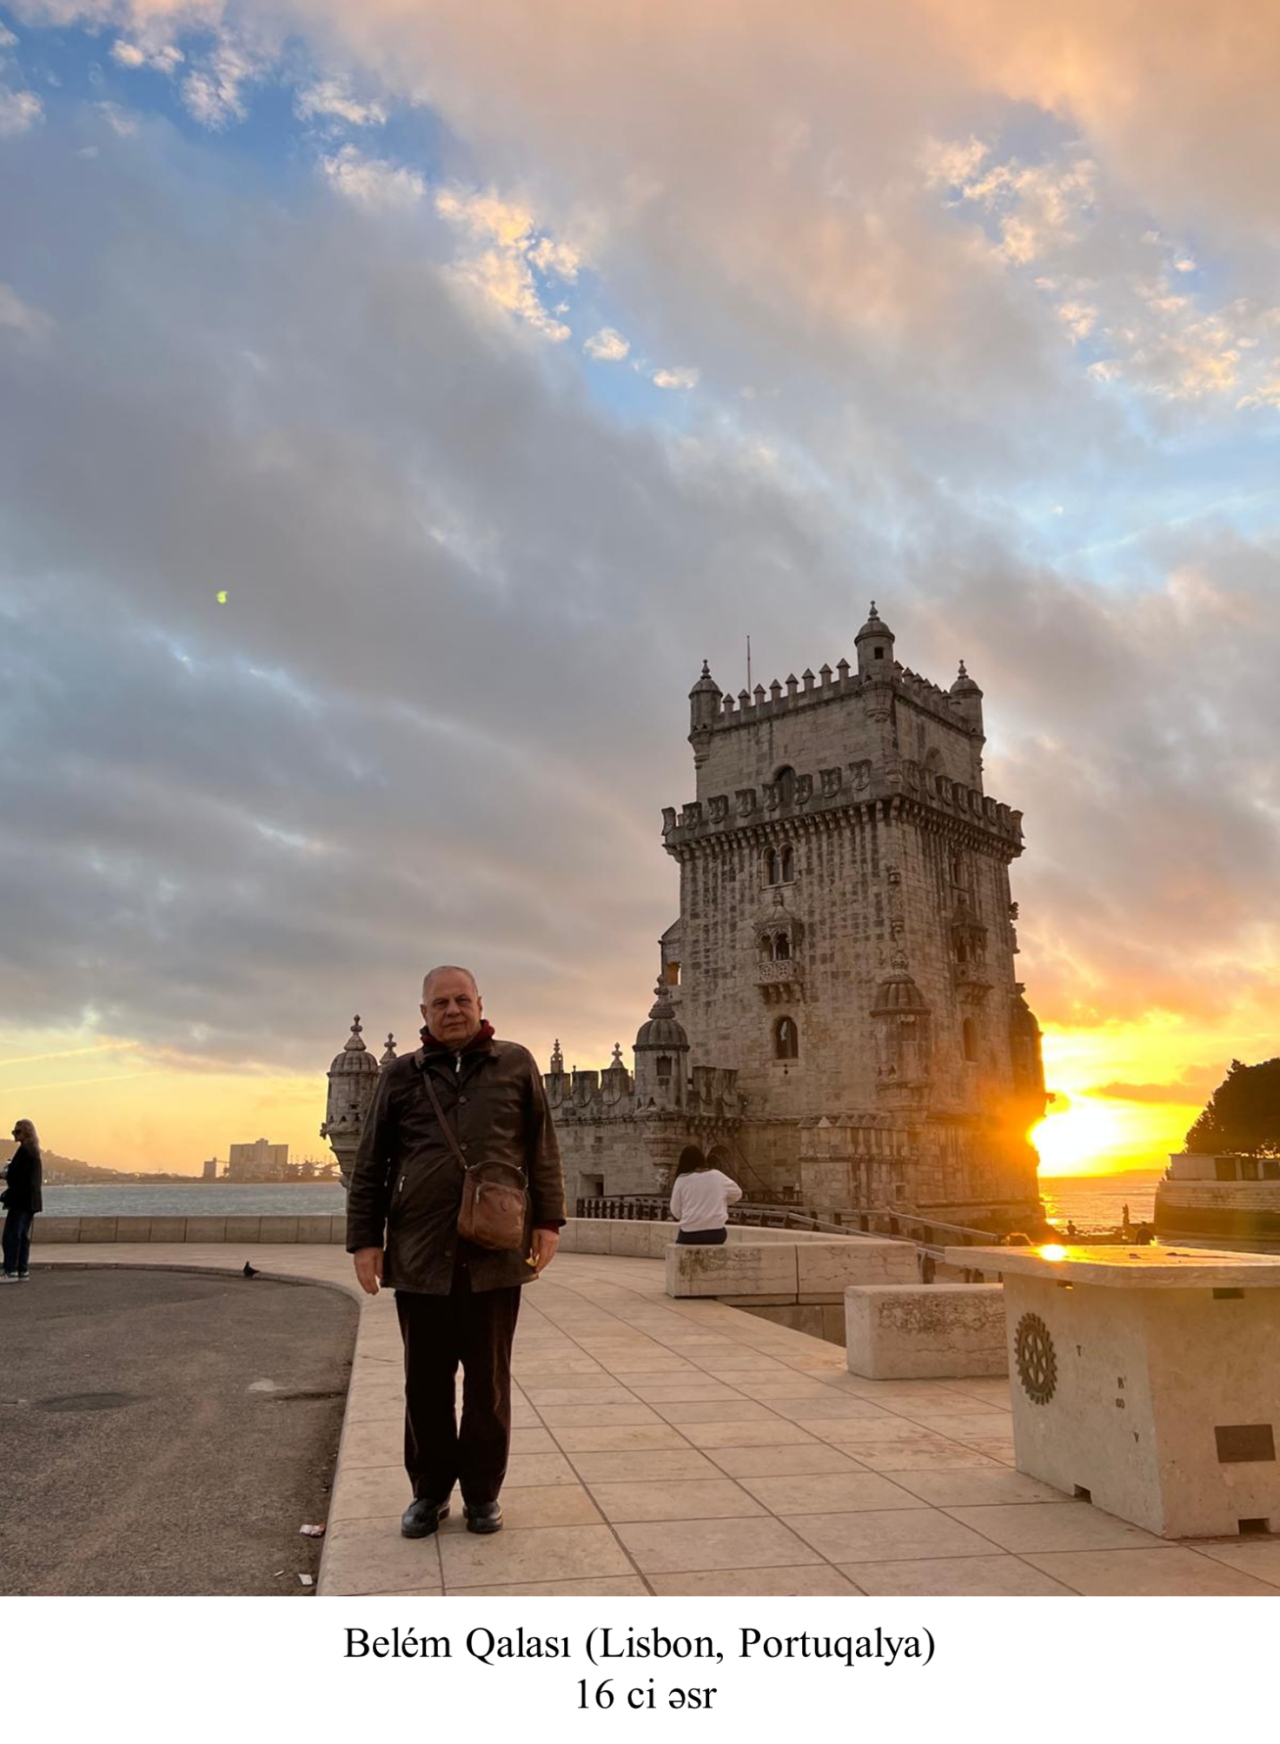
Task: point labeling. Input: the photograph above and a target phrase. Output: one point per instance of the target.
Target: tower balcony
(779, 978)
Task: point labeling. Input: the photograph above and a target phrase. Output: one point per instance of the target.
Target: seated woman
(700, 1201)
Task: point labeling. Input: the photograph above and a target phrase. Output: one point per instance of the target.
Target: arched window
(766, 947)
(771, 866)
(782, 948)
(957, 871)
(787, 867)
(786, 1039)
(786, 783)
(969, 1035)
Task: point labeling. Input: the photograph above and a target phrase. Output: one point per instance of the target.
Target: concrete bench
(925, 1332)
(786, 1271)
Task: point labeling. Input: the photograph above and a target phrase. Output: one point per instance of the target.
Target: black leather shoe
(483, 1516)
(421, 1518)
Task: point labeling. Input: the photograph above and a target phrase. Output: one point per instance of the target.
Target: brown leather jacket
(406, 1186)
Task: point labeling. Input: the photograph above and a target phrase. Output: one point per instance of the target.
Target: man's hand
(543, 1249)
(369, 1269)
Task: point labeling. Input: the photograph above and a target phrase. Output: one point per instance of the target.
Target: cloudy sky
(401, 399)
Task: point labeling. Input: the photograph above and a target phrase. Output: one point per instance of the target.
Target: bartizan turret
(704, 708)
(353, 1078)
(662, 1058)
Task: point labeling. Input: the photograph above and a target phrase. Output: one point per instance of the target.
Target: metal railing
(773, 1213)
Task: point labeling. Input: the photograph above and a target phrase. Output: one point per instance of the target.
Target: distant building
(259, 1161)
(210, 1169)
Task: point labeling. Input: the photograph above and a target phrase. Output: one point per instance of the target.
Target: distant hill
(77, 1170)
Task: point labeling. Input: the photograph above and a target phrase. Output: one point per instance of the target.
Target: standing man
(457, 1303)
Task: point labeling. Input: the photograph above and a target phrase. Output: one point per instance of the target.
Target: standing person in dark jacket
(456, 1303)
(21, 1199)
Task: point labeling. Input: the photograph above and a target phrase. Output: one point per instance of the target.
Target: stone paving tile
(1171, 1569)
(604, 1468)
(647, 1365)
(537, 1553)
(612, 1586)
(373, 1442)
(814, 1580)
(671, 1547)
(599, 1416)
(587, 1390)
(775, 1434)
(829, 1493)
(887, 1535)
(370, 1556)
(369, 1493)
(864, 1430)
(372, 1408)
(975, 1487)
(1259, 1557)
(993, 1401)
(953, 1576)
(833, 1407)
(743, 1362)
(996, 1447)
(537, 1505)
(538, 1468)
(620, 1438)
(786, 1387)
(534, 1440)
(716, 1411)
(939, 1404)
(668, 1392)
(683, 1499)
(791, 1461)
(1052, 1526)
(963, 1425)
(908, 1456)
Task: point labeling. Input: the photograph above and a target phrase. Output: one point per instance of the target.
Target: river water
(200, 1199)
(1092, 1202)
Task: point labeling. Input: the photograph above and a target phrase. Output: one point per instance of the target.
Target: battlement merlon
(881, 711)
(843, 788)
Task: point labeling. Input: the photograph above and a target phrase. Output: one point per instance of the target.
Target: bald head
(451, 1004)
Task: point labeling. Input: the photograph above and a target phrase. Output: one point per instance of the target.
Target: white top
(702, 1200)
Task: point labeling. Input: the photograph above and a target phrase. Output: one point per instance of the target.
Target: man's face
(453, 1008)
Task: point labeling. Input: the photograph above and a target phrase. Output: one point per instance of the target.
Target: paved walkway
(682, 1447)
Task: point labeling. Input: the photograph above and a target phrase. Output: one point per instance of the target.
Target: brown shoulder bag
(495, 1201)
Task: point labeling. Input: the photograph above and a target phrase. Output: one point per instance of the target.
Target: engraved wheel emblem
(1037, 1363)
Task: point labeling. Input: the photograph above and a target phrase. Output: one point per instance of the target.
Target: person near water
(22, 1199)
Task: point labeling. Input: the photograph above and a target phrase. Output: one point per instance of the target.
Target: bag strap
(430, 1088)
(449, 1134)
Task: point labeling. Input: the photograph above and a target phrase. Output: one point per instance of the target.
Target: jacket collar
(432, 1049)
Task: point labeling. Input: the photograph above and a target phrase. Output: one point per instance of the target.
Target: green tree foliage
(1243, 1114)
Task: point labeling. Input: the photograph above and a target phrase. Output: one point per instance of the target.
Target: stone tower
(846, 936)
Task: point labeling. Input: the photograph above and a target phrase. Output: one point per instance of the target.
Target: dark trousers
(702, 1237)
(439, 1332)
(17, 1241)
